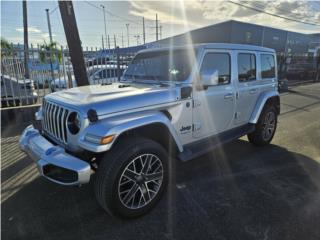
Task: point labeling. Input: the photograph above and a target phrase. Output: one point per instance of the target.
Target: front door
(214, 105)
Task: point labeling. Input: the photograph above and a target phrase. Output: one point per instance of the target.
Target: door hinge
(196, 127)
(195, 103)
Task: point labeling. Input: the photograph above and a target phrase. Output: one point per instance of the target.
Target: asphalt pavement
(237, 191)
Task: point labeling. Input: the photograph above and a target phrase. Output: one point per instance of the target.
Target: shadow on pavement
(236, 192)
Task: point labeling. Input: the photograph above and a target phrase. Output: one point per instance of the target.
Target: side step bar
(203, 146)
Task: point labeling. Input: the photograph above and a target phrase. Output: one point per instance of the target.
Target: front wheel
(132, 177)
(265, 127)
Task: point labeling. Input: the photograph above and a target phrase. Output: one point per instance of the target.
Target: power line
(93, 5)
(112, 14)
(273, 14)
(52, 11)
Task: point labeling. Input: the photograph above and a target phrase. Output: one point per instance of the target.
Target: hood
(117, 97)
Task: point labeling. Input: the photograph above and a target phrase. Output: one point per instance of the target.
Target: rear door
(268, 72)
(247, 86)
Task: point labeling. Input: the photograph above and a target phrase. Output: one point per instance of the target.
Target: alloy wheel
(140, 181)
(269, 126)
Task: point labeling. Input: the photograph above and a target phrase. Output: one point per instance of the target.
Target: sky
(174, 17)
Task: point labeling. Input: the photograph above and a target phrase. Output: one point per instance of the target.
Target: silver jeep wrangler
(177, 102)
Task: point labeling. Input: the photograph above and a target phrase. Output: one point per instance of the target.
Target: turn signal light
(107, 139)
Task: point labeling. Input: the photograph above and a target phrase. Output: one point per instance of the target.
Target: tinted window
(246, 67)
(217, 63)
(267, 66)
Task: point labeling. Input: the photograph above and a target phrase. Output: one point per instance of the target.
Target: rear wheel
(132, 177)
(265, 127)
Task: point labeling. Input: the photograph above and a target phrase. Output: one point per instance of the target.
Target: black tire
(111, 171)
(259, 137)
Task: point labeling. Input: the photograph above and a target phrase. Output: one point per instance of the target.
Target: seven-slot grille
(55, 121)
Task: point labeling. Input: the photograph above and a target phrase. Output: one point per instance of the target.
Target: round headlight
(74, 122)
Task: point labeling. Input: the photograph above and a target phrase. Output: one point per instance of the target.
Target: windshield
(93, 70)
(162, 66)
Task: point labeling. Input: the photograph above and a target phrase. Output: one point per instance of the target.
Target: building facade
(297, 53)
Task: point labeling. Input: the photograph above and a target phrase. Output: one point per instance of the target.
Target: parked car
(17, 92)
(97, 61)
(99, 74)
(61, 83)
(178, 102)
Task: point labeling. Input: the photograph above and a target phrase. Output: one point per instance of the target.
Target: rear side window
(247, 67)
(267, 66)
(217, 63)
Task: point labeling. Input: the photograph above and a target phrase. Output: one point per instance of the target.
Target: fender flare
(263, 98)
(120, 124)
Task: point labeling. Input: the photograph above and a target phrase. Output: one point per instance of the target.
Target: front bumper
(52, 161)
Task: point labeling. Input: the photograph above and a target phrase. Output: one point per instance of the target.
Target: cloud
(46, 35)
(169, 12)
(30, 30)
(36, 36)
(196, 13)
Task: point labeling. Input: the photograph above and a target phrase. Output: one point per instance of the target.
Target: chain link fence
(50, 70)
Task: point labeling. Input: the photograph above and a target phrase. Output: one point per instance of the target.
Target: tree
(50, 53)
(6, 48)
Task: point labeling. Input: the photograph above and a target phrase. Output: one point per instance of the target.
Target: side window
(217, 63)
(247, 67)
(267, 66)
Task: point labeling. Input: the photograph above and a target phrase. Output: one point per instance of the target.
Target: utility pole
(127, 25)
(50, 36)
(115, 41)
(49, 25)
(105, 24)
(144, 31)
(160, 31)
(122, 40)
(25, 39)
(74, 43)
(157, 30)
(108, 42)
(102, 42)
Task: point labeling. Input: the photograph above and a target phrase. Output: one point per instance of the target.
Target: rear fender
(263, 98)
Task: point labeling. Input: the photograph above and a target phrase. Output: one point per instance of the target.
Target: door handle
(228, 95)
(253, 91)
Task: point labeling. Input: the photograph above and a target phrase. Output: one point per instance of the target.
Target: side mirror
(209, 79)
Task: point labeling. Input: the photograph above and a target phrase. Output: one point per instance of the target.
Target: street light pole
(25, 39)
(127, 25)
(137, 38)
(105, 24)
(49, 25)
